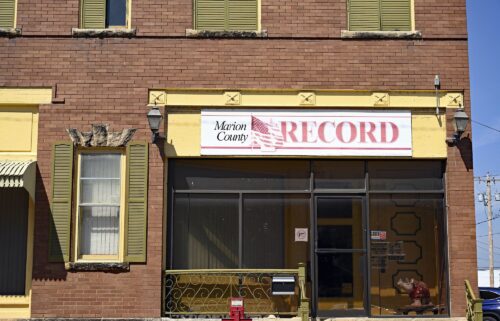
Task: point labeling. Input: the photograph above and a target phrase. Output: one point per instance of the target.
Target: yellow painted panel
(14, 311)
(26, 96)
(293, 98)
(22, 145)
(429, 135)
(183, 133)
(16, 131)
(184, 126)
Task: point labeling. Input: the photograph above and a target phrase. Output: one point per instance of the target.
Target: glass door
(340, 252)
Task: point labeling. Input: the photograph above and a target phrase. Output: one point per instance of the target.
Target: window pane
(116, 13)
(102, 191)
(340, 223)
(487, 295)
(405, 175)
(339, 174)
(100, 185)
(99, 230)
(270, 223)
(205, 231)
(340, 282)
(240, 174)
(407, 242)
(100, 165)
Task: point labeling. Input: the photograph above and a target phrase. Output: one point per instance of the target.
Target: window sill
(192, 33)
(103, 33)
(10, 32)
(114, 267)
(347, 34)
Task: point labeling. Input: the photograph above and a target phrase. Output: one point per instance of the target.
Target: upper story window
(380, 15)
(7, 13)
(102, 14)
(226, 15)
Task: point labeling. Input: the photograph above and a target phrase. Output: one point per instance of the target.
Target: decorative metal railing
(474, 306)
(207, 292)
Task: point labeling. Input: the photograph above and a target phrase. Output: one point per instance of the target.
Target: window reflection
(407, 255)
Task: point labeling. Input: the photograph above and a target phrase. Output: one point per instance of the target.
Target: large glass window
(339, 175)
(270, 222)
(99, 204)
(408, 263)
(205, 231)
(235, 175)
(377, 245)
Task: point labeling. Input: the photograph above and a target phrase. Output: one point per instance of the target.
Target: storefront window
(205, 233)
(370, 249)
(405, 175)
(339, 175)
(269, 226)
(407, 246)
(241, 175)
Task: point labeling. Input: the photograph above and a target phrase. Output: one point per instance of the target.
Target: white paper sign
(301, 235)
(311, 132)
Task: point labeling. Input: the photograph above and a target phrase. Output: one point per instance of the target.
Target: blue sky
(483, 21)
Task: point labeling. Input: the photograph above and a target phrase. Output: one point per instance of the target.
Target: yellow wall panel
(183, 133)
(428, 135)
(16, 131)
(35, 96)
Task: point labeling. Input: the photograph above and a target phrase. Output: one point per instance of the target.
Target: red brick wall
(302, 18)
(107, 80)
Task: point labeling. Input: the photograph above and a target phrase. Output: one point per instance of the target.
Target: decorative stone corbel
(101, 136)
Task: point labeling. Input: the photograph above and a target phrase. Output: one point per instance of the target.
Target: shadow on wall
(465, 148)
(43, 269)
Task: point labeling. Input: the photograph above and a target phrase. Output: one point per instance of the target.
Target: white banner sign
(318, 132)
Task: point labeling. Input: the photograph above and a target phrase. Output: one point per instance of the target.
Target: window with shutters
(100, 206)
(380, 15)
(226, 15)
(103, 14)
(7, 13)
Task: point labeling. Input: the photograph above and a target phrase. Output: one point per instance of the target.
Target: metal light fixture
(154, 119)
(460, 119)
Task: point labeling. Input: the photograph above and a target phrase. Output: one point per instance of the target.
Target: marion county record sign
(318, 132)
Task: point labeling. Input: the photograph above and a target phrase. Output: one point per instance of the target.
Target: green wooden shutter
(93, 14)
(210, 15)
(242, 15)
(137, 202)
(364, 15)
(395, 15)
(60, 209)
(7, 11)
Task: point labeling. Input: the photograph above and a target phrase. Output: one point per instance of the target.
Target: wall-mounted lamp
(154, 119)
(460, 120)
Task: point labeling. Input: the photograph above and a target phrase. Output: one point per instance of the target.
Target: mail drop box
(283, 285)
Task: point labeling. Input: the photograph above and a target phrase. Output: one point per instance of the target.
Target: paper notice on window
(301, 235)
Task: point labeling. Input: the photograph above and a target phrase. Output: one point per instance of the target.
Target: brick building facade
(109, 79)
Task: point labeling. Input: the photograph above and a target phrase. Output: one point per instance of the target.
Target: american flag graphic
(266, 135)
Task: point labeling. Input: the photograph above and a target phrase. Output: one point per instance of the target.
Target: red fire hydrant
(236, 310)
